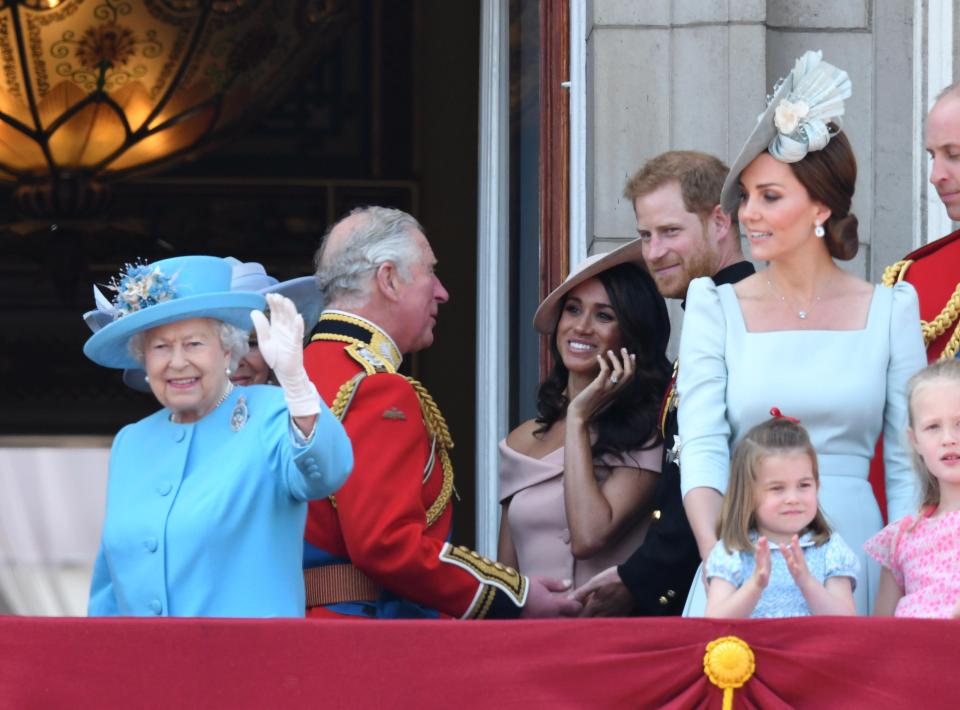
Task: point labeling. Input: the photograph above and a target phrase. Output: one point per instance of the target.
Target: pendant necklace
(802, 313)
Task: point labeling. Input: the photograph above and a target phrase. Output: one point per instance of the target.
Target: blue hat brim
(108, 346)
(305, 295)
(757, 142)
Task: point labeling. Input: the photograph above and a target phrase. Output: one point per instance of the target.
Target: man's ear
(388, 281)
(720, 222)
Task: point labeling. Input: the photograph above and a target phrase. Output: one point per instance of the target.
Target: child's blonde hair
(940, 370)
(777, 436)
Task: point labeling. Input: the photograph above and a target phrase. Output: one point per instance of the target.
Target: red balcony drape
(611, 663)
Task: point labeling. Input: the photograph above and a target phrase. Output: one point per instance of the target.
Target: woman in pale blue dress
(802, 335)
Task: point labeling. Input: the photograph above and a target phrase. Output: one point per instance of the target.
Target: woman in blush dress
(576, 482)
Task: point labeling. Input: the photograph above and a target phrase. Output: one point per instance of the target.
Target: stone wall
(694, 74)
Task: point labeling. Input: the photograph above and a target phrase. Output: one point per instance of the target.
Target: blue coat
(202, 520)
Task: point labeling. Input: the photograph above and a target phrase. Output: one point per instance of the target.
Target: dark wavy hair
(630, 422)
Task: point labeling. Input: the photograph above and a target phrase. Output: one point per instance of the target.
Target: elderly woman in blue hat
(251, 368)
(206, 499)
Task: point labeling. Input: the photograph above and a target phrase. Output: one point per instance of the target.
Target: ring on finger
(614, 379)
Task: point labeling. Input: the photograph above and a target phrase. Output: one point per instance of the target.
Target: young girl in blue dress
(776, 555)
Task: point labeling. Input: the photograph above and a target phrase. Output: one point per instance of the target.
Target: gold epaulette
(894, 274)
(341, 403)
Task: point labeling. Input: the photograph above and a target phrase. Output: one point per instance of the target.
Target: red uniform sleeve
(382, 514)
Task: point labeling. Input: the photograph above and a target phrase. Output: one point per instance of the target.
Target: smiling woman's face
(588, 327)
(186, 364)
(252, 368)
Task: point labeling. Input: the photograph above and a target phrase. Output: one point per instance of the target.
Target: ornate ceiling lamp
(96, 90)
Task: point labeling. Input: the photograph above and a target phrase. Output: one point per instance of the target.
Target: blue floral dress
(783, 597)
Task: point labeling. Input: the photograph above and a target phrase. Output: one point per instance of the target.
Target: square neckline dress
(845, 386)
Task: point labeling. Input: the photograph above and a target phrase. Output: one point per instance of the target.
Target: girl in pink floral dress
(921, 554)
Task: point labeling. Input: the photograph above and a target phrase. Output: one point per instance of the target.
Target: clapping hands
(796, 562)
(761, 572)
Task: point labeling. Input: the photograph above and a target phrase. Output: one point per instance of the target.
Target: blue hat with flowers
(148, 295)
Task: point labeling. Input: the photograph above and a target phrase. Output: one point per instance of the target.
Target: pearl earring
(818, 230)
(228, 371)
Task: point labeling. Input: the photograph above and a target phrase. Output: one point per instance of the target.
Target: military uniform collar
(370, 339)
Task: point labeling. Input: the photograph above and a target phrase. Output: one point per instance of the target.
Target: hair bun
(842, 238)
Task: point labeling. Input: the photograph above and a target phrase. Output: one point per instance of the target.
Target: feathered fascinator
(796, 120)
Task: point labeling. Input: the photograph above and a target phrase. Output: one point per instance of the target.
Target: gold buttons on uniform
(664, 601)
(656, 515)
(671, 593)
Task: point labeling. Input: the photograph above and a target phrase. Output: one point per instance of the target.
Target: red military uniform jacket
(392, 518)
(934, 271)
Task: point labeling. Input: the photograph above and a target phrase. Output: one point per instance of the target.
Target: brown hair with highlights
(700, 176)
(773, 437)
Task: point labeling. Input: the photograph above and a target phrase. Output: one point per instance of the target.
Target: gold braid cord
(437, 427)
(945, 319)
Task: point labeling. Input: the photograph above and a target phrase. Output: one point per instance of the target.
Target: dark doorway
(387, 115)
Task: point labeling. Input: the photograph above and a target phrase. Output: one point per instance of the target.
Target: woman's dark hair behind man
(631, 421)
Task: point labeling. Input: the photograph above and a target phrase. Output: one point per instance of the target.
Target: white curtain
(51, 510)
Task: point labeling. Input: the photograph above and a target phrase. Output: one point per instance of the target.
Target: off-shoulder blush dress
(538, 518)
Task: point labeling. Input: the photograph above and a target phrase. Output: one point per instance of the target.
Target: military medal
(673, 453)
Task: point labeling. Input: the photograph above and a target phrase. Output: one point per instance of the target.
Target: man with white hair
(380, 548)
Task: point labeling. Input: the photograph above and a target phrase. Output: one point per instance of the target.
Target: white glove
(281, 344)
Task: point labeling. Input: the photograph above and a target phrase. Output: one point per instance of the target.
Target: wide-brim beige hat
(545, 319)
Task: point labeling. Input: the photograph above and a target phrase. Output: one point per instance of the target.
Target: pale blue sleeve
(309, 468)
(841, 560)
(908, 356)
(103, 601)
(702, 388)
(324, 461)
(725, 565)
